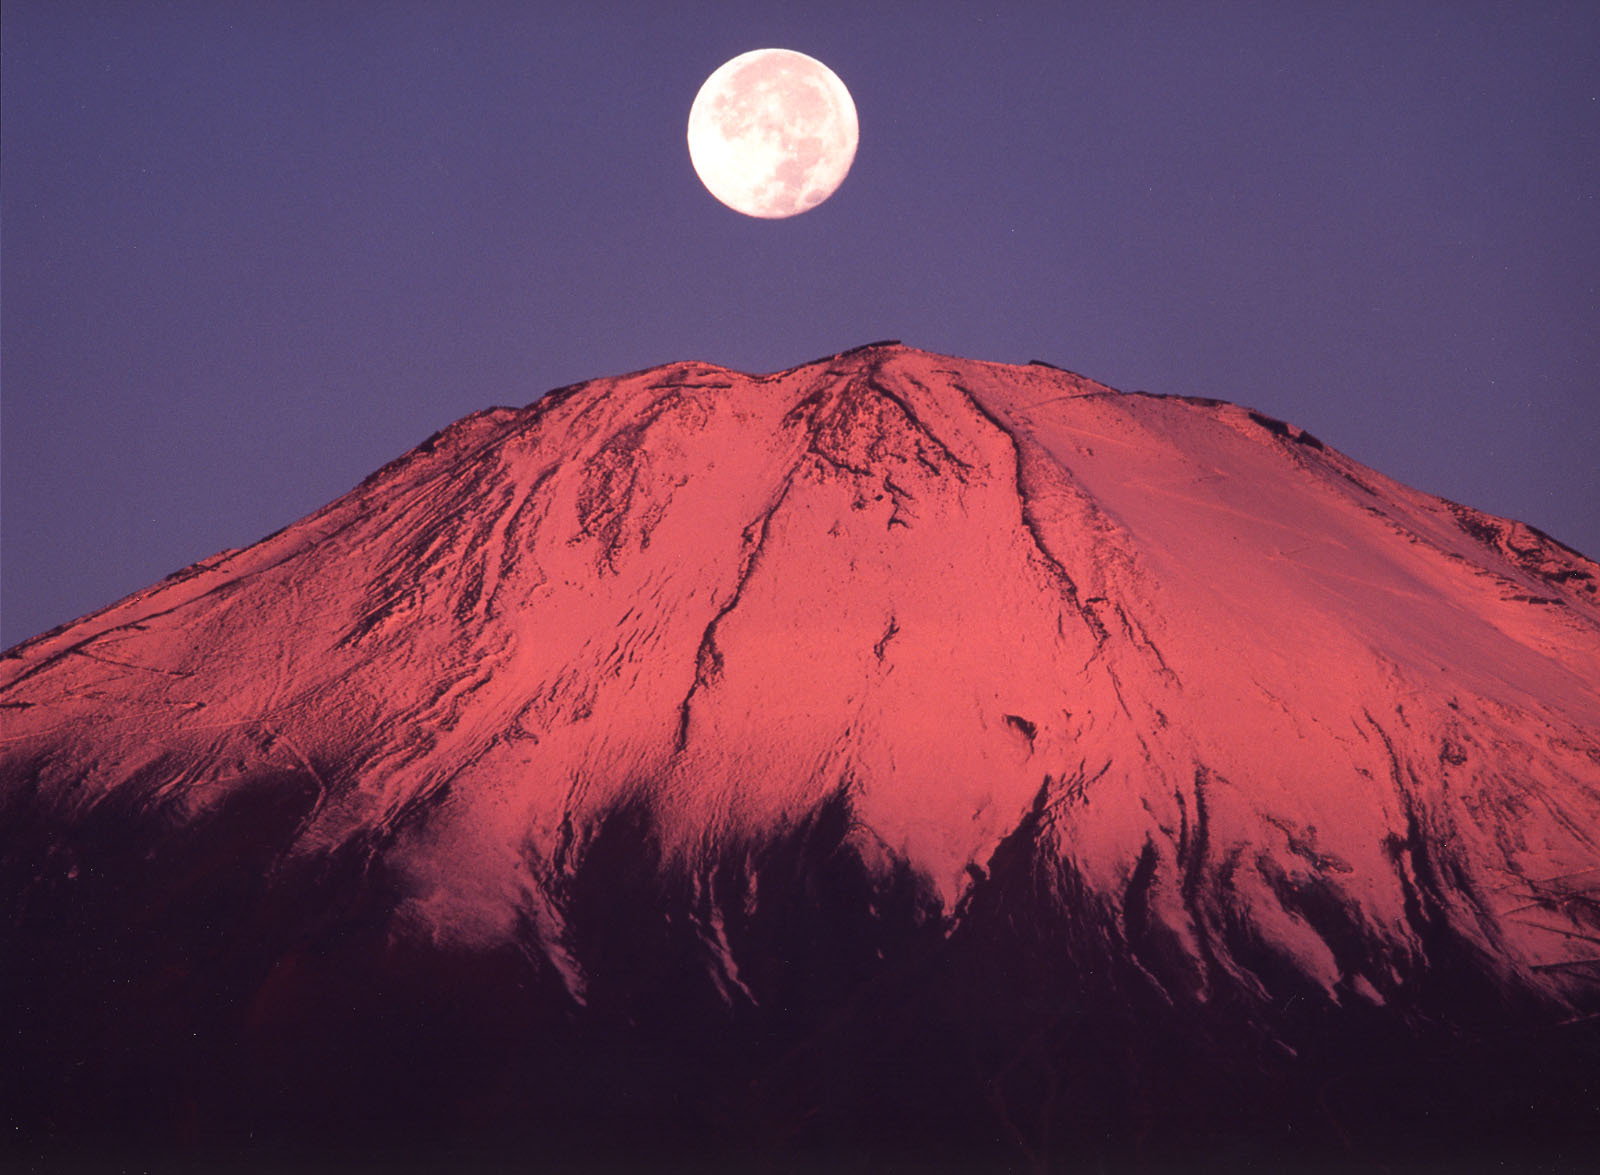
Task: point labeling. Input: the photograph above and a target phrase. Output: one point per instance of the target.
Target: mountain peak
(804, 706)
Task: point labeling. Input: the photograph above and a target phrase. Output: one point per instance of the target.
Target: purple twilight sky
(253, 250)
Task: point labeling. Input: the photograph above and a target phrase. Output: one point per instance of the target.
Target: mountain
(896, 760)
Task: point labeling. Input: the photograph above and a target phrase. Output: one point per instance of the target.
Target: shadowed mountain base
(184, 1003)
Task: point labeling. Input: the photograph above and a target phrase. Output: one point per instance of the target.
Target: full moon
(772, 133)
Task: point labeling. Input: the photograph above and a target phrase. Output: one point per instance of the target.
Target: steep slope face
(892, 750)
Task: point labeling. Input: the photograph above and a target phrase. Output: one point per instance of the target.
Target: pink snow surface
(956, 589)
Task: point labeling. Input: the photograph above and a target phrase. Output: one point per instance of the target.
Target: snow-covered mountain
(898, 758)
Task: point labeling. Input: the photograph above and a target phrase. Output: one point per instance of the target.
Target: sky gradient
(249, 252)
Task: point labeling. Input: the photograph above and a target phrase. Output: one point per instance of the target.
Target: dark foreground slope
(898, 761)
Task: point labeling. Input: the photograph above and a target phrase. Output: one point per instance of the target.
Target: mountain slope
(895, 749)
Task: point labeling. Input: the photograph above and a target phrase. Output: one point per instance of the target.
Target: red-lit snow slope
(980, 701)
